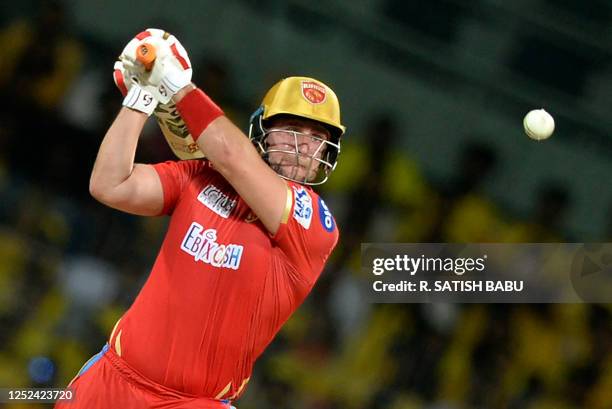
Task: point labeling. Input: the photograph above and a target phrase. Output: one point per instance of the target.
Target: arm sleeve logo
(302, 211)
(326, 217)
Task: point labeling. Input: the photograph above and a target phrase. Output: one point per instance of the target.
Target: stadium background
(433, 93)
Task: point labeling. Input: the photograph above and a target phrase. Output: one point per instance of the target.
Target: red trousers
(107, 382)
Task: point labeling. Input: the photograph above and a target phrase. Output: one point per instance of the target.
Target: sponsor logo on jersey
(302, 210)
(313, 92)
(326, 217)
(217, 201)
(202, 245)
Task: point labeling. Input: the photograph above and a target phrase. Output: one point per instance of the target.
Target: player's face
(294, 144)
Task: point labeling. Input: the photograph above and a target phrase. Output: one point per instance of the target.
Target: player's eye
(318, 137)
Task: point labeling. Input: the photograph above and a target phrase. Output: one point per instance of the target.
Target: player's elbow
(109, 197)
(100, 191)
(97, 191)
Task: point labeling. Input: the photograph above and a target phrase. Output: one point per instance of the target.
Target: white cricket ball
(538, 124)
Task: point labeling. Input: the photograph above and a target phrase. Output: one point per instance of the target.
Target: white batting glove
(135, 96)
(171, 69)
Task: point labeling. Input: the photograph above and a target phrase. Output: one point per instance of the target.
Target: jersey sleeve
(308, 233)
(174, 177)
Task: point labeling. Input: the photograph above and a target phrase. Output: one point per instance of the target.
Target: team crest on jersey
(326, 217)
(202, 245)
(217, 201)
(314, 92)
(302, 209)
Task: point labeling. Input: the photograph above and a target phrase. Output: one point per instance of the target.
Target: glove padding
(135, 96)
(171, 70)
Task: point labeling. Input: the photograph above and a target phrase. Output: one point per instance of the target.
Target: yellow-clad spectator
(379, 192)
(545, 224)
(466, 214)
(40, 58)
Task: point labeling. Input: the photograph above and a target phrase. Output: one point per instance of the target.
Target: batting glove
(135, 97)
(170, 71)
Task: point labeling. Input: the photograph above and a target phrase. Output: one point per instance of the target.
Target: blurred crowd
(69, 267)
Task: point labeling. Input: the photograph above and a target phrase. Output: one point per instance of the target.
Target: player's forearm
(234, 156)
(115, 160)
(226, 146)
(192, 113)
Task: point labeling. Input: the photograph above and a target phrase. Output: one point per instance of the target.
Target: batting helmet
(301, 97)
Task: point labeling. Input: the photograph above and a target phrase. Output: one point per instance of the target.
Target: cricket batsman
(246, 242)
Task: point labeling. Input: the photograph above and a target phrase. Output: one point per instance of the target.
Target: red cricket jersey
(221, 286)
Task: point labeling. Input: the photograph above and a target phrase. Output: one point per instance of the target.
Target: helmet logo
(313, 92)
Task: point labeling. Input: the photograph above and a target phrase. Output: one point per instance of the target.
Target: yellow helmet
(303, 97)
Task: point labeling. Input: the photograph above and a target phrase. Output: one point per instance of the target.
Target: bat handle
(146, 54)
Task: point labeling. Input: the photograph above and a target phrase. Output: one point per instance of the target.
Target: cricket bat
(168, 118)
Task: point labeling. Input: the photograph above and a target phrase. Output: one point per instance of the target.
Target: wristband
(198, 111)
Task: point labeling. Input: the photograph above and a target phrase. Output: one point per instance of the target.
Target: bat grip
(146, 54)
